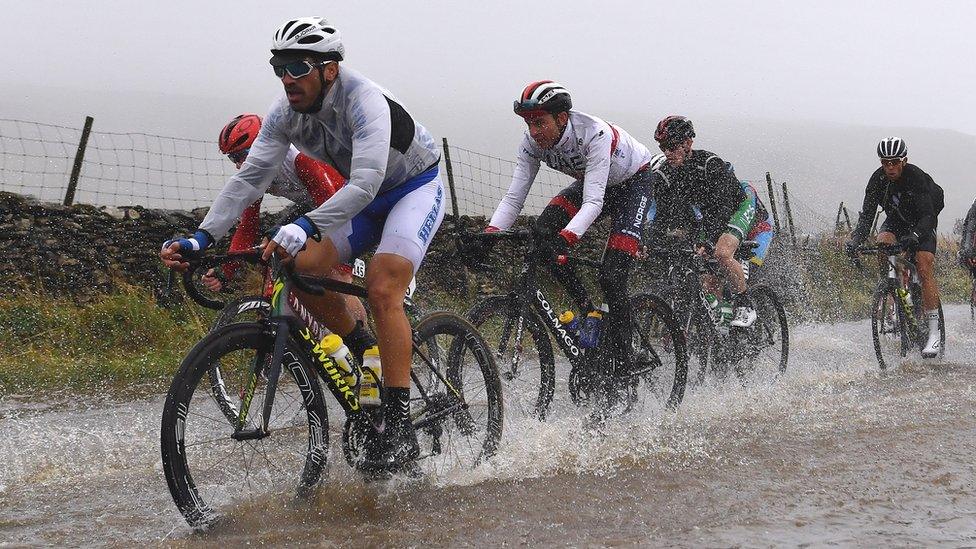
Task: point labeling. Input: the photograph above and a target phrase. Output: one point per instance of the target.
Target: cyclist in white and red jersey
(610, 168)
(303, 180)
(393, 202)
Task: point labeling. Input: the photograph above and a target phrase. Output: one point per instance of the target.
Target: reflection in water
(832, 453)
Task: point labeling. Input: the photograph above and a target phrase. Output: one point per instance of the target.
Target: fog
(804, 90)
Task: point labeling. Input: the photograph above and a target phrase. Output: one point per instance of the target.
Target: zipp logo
(554, 319)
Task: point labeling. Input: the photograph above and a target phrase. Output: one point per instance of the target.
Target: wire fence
(154, 171)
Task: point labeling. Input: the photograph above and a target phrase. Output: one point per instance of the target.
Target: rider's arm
(252, 180)
(245, 236)
(526, 168)
(923, 205)
(727, 206)
(873, 194)
(321, 180)
(368, 114)
(598, 150)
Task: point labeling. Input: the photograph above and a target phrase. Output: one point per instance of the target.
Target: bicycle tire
(194, 426)
(495, 318)
(656, 331)
(471, 433)
(888, 331)
(771, 318)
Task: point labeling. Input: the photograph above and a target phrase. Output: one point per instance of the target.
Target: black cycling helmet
(673, 130)
(544, 96)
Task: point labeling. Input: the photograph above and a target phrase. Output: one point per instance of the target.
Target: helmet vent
(284, 30)
(310, 39)
(298, 29)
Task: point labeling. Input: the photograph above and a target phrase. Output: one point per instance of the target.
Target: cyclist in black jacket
(904, 192)
(695, 178)
(967, 244)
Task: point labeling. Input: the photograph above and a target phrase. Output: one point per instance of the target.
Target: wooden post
(847, 219)
(450, 183)
(772, 201)
(837, 226)
(789, 214)
(69, 194)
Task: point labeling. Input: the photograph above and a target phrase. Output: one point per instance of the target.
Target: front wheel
(888, 331)
(767, 341)
(659, 373)
(522, 352)
(207, 470)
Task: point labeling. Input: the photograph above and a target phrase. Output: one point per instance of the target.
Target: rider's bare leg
(318, 259)
(725, 249)
(387, 279)
(925, 263)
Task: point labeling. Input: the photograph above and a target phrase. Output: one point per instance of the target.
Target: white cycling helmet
(892, 147)
(298, 38)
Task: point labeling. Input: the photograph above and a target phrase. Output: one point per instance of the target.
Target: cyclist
(911, 201)
(611, 178)
(393, 200)
(691, 180)
(967, 244)
(302, 179)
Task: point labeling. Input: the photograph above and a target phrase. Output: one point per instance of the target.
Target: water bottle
(590, 334)
(712, 302)
(333, 346)
(570, 322)
(724, 313)
(369, 386)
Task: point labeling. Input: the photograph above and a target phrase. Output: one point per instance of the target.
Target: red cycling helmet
(673, 130)
(239, 133)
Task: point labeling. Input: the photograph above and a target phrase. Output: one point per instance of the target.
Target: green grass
(120, 338)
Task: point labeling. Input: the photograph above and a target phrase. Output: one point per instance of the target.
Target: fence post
(69, 195)
(847, 219)
(772, 201)
(450, 185)
(789, 215)
(455, 211)
(837, 226)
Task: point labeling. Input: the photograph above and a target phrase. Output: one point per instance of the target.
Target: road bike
(518, 326)
(898, 322)
(235, 429)
(760, 351)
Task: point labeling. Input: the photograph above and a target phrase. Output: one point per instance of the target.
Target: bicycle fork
(278, 351)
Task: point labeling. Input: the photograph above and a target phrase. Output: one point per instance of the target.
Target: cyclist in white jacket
(393, 200)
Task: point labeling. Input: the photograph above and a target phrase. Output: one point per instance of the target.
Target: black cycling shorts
(926, 242)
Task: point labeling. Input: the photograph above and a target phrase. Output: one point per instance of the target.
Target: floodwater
(834, 453)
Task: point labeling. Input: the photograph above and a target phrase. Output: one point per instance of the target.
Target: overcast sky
(185, 68)
(874, 63)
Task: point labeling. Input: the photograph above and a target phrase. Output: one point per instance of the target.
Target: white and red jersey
(590, 150)
(302, 180)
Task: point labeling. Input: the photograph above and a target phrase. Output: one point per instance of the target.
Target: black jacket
(906, 202)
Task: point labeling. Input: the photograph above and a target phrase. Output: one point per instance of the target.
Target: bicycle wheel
(888, 331)
(523, 354)
(243, 309)
(660, 356)
(456, 400)
(208, 471)
(767, 341)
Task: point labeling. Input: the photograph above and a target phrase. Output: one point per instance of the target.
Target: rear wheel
(888, 330)
(206, 469)
(522, 352)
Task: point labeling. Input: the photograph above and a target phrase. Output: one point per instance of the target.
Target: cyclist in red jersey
(302, 179)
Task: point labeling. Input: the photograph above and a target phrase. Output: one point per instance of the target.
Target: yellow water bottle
(369, 387)
(333, 346)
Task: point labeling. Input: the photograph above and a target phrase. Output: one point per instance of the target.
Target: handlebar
(251, 255)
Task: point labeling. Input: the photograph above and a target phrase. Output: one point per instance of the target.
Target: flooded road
(834, 453)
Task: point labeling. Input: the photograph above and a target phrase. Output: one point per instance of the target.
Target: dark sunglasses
(665, 147)
(296, 69)
(890, 161)
(238, 157)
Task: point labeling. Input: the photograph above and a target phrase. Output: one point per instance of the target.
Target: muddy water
(834, 453)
